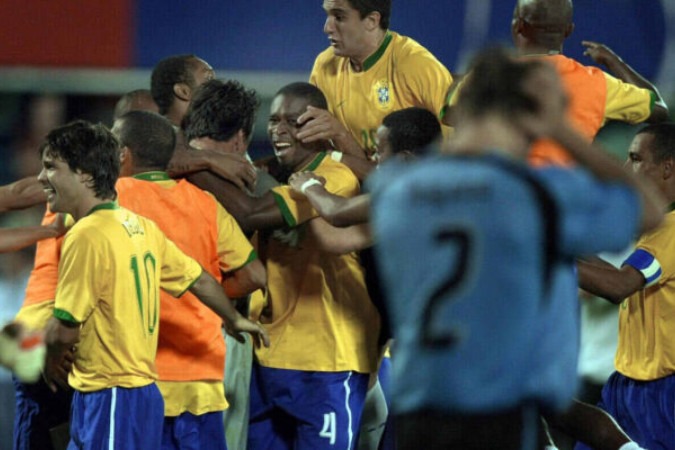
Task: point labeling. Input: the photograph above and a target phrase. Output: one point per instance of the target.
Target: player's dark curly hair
(89, 148)
(365, 7)
(494, 84)
(219, 109)
(308, 91)
(167, 72)
(412, 129)
(149, 136)
(663, 144)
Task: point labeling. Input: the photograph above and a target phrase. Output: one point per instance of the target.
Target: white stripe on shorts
(350, 433)
(113, 405)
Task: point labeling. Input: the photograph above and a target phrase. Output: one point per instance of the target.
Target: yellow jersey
(113, 263)
(318, 313)
(646, 348)
(400, 74)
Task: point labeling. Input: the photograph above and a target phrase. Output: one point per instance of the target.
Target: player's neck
(489, 134)
(86, 205)
(374, 43)
(537, 49)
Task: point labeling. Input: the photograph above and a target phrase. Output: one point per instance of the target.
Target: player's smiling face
(62, 185)
(282, 129)
(345, 28)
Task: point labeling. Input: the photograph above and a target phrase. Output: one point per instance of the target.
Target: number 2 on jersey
(146, 293)
(461, 241)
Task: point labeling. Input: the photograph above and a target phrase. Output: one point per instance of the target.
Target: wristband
(336, 156)
(308, 183)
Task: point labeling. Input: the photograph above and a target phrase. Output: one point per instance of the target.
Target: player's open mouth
(280, 148)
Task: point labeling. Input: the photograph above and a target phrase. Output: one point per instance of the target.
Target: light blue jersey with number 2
(476, 258)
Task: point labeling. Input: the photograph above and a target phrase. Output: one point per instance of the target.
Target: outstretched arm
(234, 168)
(339, 240)
(21, 194)
(602, 54)
(13, 239)
(336, 210)
(608, 282)
(211, 293)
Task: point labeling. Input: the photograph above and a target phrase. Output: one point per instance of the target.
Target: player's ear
(372, 20)
(182, 91)
(125, 154)
(667, 168)
(569, 28)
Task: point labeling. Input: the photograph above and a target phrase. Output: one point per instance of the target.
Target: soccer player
(173, 81)
(445, 391)
(307, 391)
(191, 350)
(220, 120)
(640, 393)
(113, 263)
(367, 72)
(406, 135)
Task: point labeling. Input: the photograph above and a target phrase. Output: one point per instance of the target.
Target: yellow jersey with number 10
(113, 263)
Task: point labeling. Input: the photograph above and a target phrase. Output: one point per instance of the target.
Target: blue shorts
(191, 432)
(303, 410)
(644, 409)
(38, 410)
(117, 419)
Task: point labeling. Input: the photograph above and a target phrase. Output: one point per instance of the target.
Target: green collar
(375, 57)
(314, 163)
(102, 206)
(671, 207)
(156, 175)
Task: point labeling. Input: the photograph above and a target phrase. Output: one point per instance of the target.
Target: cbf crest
(382, 93)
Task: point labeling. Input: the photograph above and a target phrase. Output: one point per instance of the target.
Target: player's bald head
(545, 12)
(542, 24)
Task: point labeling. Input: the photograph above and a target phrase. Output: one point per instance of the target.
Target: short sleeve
(234, 249)
(79, 284)
(627, 102)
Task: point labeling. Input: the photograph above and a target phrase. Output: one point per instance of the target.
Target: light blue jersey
(476, 258)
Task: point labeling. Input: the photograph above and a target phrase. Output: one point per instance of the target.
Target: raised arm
(320, 124)
(548, 122)
(603, 55)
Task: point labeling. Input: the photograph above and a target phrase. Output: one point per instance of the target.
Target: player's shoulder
(326, 59)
